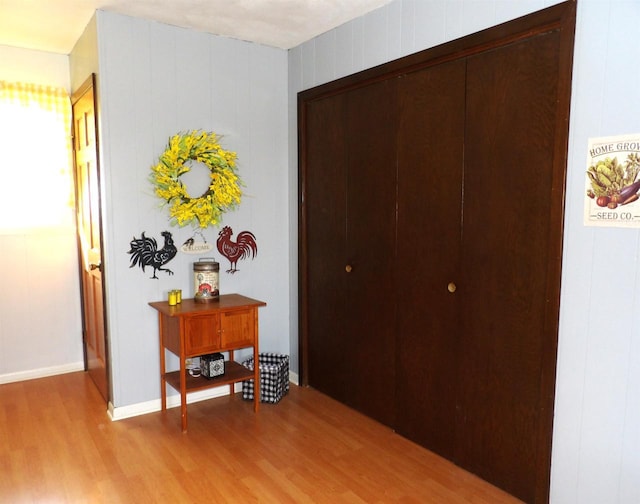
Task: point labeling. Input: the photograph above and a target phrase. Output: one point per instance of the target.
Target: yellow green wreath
(223, 192)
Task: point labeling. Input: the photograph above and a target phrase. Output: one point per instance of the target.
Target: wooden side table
(191, 329)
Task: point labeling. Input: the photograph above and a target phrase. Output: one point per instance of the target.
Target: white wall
(596, 448)
(38, 67)
(596, 456)
(40, 321)
(155, 81)
(83, 60)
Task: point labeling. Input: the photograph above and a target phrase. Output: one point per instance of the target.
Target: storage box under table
(274, 378)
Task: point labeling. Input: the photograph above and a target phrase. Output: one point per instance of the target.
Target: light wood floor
(57, 445)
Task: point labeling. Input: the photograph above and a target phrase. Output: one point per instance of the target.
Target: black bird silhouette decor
(144, 252)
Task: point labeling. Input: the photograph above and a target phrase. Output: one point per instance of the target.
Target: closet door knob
(451, 287)
(348, 268)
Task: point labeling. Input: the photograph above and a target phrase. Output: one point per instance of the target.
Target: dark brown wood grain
(351, 218)
(508, 229)
(430, 162)
(468, 320)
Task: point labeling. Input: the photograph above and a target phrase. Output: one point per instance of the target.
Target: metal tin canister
(206, 277)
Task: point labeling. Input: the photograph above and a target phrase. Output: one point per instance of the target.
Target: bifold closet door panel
(508, 222)
(325, 212)
(370, 259)
(350, 215)
(430, 161)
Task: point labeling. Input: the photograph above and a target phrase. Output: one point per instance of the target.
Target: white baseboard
(173, 401)
(33, 374)
(132, 410)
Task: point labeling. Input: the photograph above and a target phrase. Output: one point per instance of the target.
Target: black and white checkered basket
(274, 378)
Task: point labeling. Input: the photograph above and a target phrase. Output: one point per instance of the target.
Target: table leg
(232, 386)
(256, 377)
(183, 395)
(163, 382)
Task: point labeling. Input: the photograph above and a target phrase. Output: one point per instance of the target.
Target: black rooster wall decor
(144, 252)
(244, 246)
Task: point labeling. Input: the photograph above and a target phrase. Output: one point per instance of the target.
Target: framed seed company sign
(613, 182)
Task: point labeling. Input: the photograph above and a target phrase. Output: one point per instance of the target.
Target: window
(36, 176)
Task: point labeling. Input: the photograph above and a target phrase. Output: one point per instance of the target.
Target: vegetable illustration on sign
(613, 182)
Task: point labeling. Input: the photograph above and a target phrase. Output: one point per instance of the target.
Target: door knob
(451, 287)
(348, 268)
(93, 266)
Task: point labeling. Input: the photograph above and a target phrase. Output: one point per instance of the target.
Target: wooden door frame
(560, 17)
(91, 83)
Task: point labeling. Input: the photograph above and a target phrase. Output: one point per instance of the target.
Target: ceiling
(55, 25)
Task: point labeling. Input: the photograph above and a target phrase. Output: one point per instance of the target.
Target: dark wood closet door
(508, 289)
(325, 144)
(430, 160)
(371, 216)
(350, 247)
(468, 275)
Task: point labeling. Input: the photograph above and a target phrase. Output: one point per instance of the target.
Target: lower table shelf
(233, 373)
